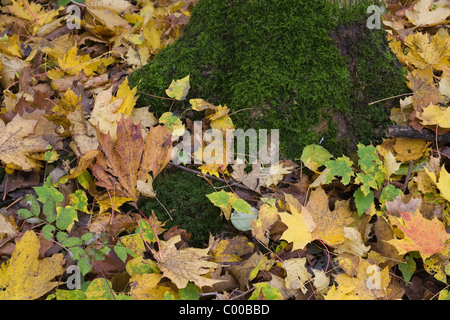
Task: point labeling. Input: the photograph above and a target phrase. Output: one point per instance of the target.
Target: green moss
(184, 196)
(304, 67)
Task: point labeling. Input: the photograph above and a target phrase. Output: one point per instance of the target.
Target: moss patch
(304, 67)
(184, 196)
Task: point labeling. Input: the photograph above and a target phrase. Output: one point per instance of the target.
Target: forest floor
(77, 156)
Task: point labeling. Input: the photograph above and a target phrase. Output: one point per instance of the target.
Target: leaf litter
(326, 228)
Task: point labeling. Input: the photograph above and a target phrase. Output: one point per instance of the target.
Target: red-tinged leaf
(420, 234)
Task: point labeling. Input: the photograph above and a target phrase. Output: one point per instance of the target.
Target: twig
(400, 95)
(235, 184)
(408, 175)
(167, 211)
(28, 8)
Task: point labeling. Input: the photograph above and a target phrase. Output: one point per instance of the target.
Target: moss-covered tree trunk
(304, 67)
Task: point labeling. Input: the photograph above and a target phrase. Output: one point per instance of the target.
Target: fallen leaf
(329, 224)
(24, 276)
(428, 13)
(182, 266)
(18, 142)
(369, 283)
(145, 287)
(179, 89)
(420, 234)
(267, 216)
(300, 226)
(296, 273)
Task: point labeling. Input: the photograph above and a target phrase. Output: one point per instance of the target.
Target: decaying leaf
(182, 266)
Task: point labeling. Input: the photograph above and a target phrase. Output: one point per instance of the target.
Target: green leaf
(48, 192)
(190, 292)
(84, 263)
(101, 289)
(51, 155)
(79, 201)
(242, 206)
(77, 253)
(265, 291)
(362, 201)
(219, 199)
(341, 167)
(24, 213)
(84, 179)
(66, 217)
(169, 296)
(121, 252)
(61, 236)
(407, 269)
(146, 231)
(49, 210)
(72, 241)
(87, 236)
(47, 231)
(74, 294)
(368, 158)
(389, 193)
(367, 181)
(63, 3)
(314, 156)
(35, 209)
(241, 221)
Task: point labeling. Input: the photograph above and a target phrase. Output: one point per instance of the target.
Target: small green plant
(371, 173)
(58, 221)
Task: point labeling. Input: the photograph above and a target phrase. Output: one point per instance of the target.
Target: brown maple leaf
(120, 167)
(22, 137)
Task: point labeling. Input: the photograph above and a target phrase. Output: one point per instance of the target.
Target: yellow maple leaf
(444, 183)
(369, 282)
(24, 276)
(435, 115)
(426, 50)
(128, 95)
(300, 225)
(145, 287)
(329, 224)
(428, 12)
(341, 293)
(182, 266)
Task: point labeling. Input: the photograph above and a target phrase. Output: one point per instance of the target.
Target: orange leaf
(423, 235)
